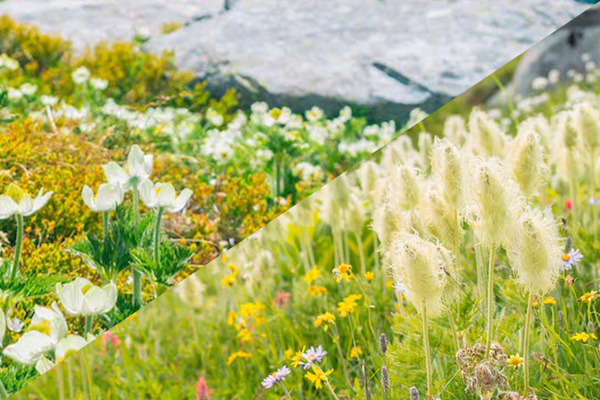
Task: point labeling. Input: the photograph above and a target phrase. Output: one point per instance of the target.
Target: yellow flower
(344, 271)
(237, 354)
(549, 300)
(288, 354)
(586, 298)
(536, 304)
(355, 352)
(314, 290)
(515, 361)
(297, 357)
(244, 335)
(229, 280)
(327, 319)
(369, 276)
(583, 337)
(389, 284)
(231, 317)
(348, 306)
(312, 275)
(318, 376)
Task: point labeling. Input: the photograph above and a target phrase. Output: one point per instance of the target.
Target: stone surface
(562, 51)
(389, 55)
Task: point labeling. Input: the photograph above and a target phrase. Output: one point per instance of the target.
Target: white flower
(108, 198)
(43, 365)
(49, 321)
(68, 346)
(2, 325)
(15, 325)
(29, 348)
(214, 117)
(14, 94)
(8, 63)
(138, 167)
(99, 84)
(81, 297)
(48, 100)
(17, 201)
(163, 195)
(81, 75)
(28, 89)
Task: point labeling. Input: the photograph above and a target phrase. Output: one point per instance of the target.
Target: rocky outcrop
(386, 55)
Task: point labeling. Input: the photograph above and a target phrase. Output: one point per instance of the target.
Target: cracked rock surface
(389, 55)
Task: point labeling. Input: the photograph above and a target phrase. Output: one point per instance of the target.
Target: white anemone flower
(44, 365)
(81, 75)
(49, 321)
(81, 297)
(137, 168)
(17, 201)
(108, 198)
(29, 348)
(68, 346)
(163, 195)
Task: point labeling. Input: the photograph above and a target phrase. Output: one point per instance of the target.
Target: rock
(561, 51)
(388, 56)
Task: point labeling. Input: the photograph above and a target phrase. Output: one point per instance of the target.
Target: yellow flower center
(86, 288)
(15, 192)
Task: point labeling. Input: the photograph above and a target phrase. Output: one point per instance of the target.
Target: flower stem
(105, 225)
(490, 301)
(159, 214)
(137, 275)
(89, 324)
(593, 196)
(136, 203)
(3, 392)
(526, 344)
(18, 247)
(286, 391)
(427, 352)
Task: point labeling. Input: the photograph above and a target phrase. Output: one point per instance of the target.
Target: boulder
(385, 56)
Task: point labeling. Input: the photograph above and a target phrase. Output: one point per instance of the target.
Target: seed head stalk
(427, 352)
(18, 247)
(490, 301)
(593, 195)
(526, 344)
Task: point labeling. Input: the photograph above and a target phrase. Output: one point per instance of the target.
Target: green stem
(105, 225)
(3, 393)
(526, 345)
(159, 214)
(89, 324)
(593, 188)
(490, 301)
(361, 252)
(18, 247)
(137, 275)
(286, 391)
(136, 202)
(427, 352)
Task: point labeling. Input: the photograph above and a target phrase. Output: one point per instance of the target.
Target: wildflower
(163, 196)
(48, 100)
(99, 84)
(138, 167)
(69, 345)
(515, 361)
(202, 390)
(29, 348)
(324, 319)
(282, 299)
(399, 288)
(348, 306)
(315, 290)
(355, 352)
(344, 271)
(236, 355)
(318, 376)
(383, 343)
(28, 89)
(583, 337)
(588, 297)
(385, 379)
(81, 297)
(15, 325)
(312, 275)
(111, 338)
(49, 321)
(296, 359)
(81, 75)
(571, 259)
(389, 284)
(594, 200)
(369, 276)
(276, 377)
(569, 280)
(311, 356)
(549, 300)
(568, 204)
(108, 198)
(229, 280)
(16, 201)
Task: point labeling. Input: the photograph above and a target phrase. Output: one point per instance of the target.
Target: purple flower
(571, 259)
(400, 288)
(276, 377)
(313, 356)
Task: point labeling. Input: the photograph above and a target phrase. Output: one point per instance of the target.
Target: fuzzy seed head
(421, 266)
(535, 249)
(455, 130)
(487, 137)
(405, 185)
(447, 169)
(588, 119)
(383, 343)
(527, 162)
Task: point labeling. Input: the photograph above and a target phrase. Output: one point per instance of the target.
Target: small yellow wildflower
(236, 355)
(535, 304)
(515, 361)
(369, 276)
(297, 357)
(326, 319)
(355, 352)
(315, 290)
(583, 337)
(549, 300)
(244, 335)
(288, 354)
(344, 271)
(318, 377)
(231, 318)
(229, 280)
(586, 298)
(312, 275)
(348, 306)
(389, 284)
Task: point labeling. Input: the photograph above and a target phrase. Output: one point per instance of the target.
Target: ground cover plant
(457, 266)
(119, 177)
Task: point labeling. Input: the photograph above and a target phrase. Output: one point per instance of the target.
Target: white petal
(147, 193)
(94, 301)
(40, 201)
(2, 325)
(111, 293)
(26, 205)
(88, 197)
(8, 207)
(71, 342)
(181, 201)
(116, 175)
(29, 348)
(44, 365)
(166, 195)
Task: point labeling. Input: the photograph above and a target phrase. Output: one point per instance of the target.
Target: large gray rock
(388, 55)
(563, 51)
